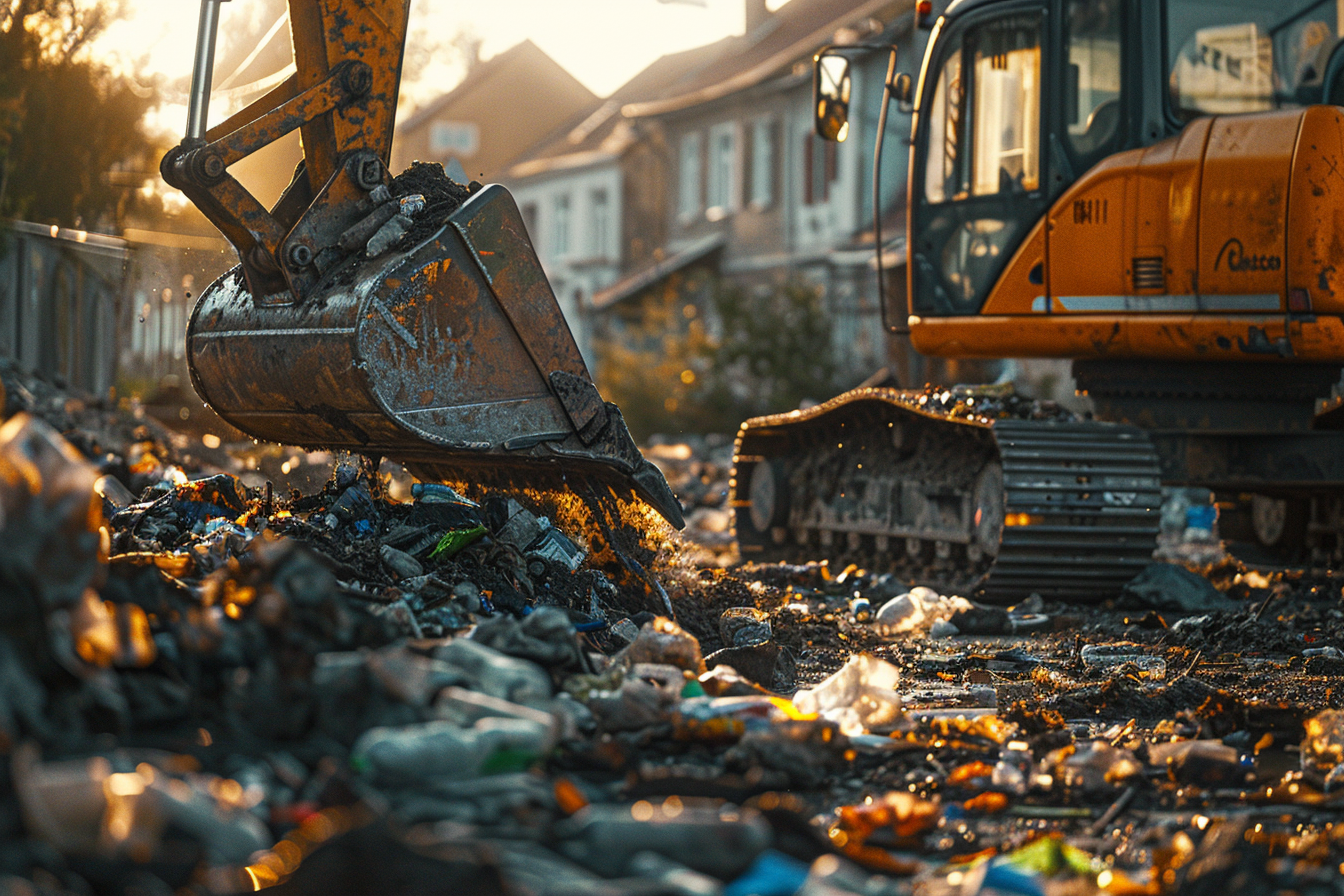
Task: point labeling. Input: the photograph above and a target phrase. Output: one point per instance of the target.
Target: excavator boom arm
(342, 98)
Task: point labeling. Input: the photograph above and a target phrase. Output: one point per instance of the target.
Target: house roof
(794, 32)
(681, 80)
(601, 132)
(643, 279)
(524, 53)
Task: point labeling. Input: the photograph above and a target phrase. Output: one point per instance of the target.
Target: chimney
(468, 45)
(756, 14)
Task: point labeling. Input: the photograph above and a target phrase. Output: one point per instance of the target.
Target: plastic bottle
(1096, 766)
(414, 754)
(1108, 656)
(728, 718)
(1011, 771)
(707, 836)
(494, 673)
(1323, 744)
(51, 515)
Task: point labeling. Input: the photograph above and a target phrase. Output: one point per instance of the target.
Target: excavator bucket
(446, 352)
(405, 317)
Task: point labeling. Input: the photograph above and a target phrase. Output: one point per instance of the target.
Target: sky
(601, 42)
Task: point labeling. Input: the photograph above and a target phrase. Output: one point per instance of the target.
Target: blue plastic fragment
(437, 492)
(772, 874)
(1003, 877)
(593, 626)
(1201, 516)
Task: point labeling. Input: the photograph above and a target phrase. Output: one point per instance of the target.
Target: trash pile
(216, 687)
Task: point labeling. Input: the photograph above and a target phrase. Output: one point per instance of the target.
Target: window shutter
(808, 149)
(832, 168)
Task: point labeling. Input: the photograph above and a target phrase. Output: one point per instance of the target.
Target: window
(1007, 103)
(981, 146)
(600, 233)
(942, 178)
(1240, 56)
(460, 138)
(688, 170)
(722, 166)
(1002, 152)
(819, 168)
(560, 226)
(1092, 79)
(762, 163)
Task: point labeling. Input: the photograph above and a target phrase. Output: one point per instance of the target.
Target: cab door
(980, 163)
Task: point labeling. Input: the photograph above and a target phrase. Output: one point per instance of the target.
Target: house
(504, 106)
(594, 194)
(706, 161)
(786, 206)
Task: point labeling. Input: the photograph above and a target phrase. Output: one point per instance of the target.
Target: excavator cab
(1070, 169)
(407, 317)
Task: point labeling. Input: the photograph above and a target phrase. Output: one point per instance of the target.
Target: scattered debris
(1165, 586)
(212, 685)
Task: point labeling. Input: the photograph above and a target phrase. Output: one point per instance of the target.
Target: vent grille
(1150, 274)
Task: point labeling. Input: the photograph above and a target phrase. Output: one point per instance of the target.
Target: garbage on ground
(860, 697)
(1190, 529)
(211, 686)
(1166, 586)
(1323, 748)
(917, 610)
(1107, 657)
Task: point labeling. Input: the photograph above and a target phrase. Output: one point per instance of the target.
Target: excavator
(1153, 189)
(404, 317)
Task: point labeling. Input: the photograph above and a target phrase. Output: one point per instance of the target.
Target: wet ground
(344, 682)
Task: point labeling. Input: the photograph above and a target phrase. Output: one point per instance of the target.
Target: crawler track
(998, 508)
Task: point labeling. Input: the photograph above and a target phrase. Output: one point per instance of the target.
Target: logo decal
(1238, 260)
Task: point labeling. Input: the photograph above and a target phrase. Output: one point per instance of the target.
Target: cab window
(1006, 98)
(942, 172)
(981, 127)
(990, 79)
(1092, 77)
(1233, 56)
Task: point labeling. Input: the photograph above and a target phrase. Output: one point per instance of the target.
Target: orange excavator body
(1221, 243)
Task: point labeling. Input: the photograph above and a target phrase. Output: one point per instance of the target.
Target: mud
(443, 196)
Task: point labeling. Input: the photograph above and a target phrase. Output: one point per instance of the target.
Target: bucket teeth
(653, 488)
(646, 479)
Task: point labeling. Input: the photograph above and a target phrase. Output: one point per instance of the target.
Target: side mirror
(903, 91)
(830, 96)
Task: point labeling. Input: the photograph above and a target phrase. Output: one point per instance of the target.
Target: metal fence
(96, 311)
(60, 302)
(164, 275)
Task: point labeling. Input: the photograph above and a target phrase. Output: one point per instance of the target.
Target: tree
(71, 140)
(702, 354)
